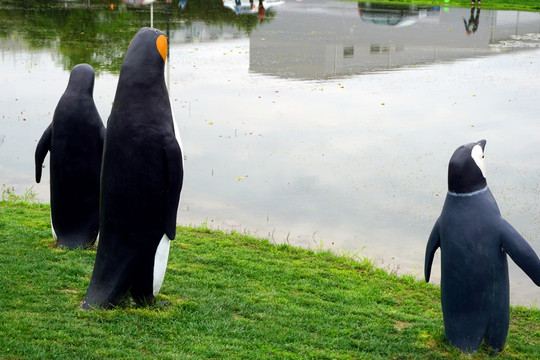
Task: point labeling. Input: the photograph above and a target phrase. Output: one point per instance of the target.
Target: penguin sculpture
(474, 240)
(75, 141)
(141, 180)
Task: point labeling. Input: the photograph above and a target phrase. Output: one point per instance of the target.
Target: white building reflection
(351, 39)
(322, 40)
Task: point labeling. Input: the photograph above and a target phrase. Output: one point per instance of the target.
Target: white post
(152, 15)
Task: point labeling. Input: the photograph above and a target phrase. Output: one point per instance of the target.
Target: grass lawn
(225, 296)
(522, 5)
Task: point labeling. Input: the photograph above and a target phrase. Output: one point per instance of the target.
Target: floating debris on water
(531, 40)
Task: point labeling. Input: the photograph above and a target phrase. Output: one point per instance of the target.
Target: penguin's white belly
(177, 136)
(53, 231)
(160, 262)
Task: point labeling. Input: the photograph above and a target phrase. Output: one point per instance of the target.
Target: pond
(323, 124)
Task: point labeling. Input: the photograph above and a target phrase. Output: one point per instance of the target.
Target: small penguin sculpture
(75, 141)
(474, 240)
(141, 180)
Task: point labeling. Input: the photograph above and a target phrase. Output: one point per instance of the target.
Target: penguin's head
(466, 170)
(146, 54)
(81, 79)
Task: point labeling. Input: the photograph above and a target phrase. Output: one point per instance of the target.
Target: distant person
(238, 7)
(472, 25)
(182, 4)
(262, 11)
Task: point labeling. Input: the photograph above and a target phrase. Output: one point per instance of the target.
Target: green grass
(9, 194)
(225, 296)
(522, 5)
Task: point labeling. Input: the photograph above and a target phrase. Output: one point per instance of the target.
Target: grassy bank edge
(398, 318)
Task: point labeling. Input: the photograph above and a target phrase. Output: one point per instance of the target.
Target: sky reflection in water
(322, 152)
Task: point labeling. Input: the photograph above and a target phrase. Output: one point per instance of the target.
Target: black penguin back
(141, 178)
(76, 146)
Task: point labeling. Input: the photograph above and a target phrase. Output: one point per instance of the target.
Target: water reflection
(251, 7)
(398, 15)
(348, 42)
(291, 129)
(145, 2)
(474, 20)
(97, 32)
(139, 2)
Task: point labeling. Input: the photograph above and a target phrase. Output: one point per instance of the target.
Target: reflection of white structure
(144, 2)
(327, 40)
(321, 41)
(139, 2)
(399, 15)
(249, 6)
(200, 32)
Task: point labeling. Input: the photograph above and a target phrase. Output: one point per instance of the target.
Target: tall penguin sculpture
(141, 180)
(75, 141)
(474, 240)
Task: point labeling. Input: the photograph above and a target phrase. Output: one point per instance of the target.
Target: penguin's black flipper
(43, 146)
(520, 251)
(175, 178)
(433, 244)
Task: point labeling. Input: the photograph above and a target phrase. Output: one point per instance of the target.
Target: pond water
(324, 124)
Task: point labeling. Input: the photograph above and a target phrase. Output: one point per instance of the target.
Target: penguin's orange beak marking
(161, 44)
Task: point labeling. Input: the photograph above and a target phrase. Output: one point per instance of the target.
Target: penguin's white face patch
(478, 156)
